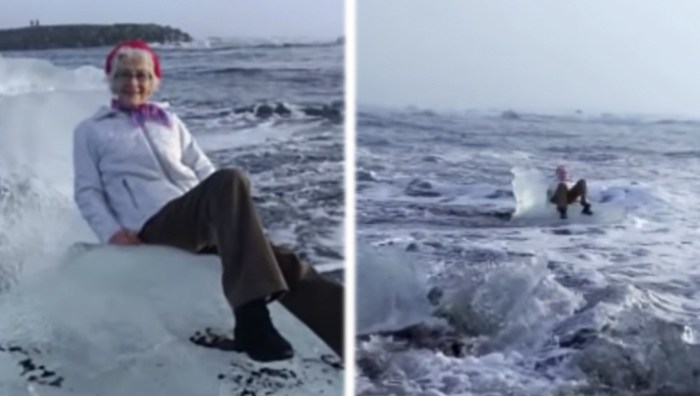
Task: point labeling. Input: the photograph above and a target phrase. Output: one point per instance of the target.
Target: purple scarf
(141, 114)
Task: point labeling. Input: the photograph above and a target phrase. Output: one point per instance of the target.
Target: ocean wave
(27, 75)
(225, 44)
(254, 71)
(255, 113)
(605, 305)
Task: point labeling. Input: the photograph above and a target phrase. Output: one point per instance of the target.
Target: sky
(626, 56)
(201, 18)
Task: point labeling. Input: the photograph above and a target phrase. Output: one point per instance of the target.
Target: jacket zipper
(149, 143)
(131, 193)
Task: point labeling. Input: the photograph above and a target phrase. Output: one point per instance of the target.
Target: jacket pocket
(130, 193)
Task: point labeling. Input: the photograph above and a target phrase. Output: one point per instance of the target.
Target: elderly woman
(562, 194)
(141, 178)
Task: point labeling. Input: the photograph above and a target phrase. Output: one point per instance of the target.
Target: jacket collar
(105, 111)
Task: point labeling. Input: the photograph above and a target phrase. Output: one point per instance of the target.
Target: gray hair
(131, 53)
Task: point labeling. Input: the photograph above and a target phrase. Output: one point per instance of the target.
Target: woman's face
(561, 174)
(134, 81)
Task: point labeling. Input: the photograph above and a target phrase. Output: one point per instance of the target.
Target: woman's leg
(316, 300)
(561, 196)
(560, 199)
(579, 191)
(220, 212)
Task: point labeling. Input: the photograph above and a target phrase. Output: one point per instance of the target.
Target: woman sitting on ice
(140, 177)
(562, 194)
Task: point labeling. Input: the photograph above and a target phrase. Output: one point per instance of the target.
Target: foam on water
(25, 75)
(36, 123)
(248, 137)
(605, 305)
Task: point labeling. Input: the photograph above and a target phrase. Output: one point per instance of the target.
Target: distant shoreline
(86, 36)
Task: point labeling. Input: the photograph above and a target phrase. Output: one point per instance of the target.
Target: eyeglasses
(140, 76)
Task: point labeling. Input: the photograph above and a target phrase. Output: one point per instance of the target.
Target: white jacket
(125, 173)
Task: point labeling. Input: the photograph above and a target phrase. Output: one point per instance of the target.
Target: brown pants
(564, 196)
(219, 216)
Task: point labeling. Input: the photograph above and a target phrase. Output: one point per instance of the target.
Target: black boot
(562, 213)
(257, 336)
(586, 209)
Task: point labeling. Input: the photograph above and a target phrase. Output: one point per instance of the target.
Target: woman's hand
(124, 237)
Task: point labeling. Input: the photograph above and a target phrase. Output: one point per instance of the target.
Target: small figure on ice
(562, 194)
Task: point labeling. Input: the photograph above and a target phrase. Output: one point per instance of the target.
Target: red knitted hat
(136, 44)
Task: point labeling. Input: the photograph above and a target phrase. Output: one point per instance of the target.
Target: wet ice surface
(537, 307)
(89, 326)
